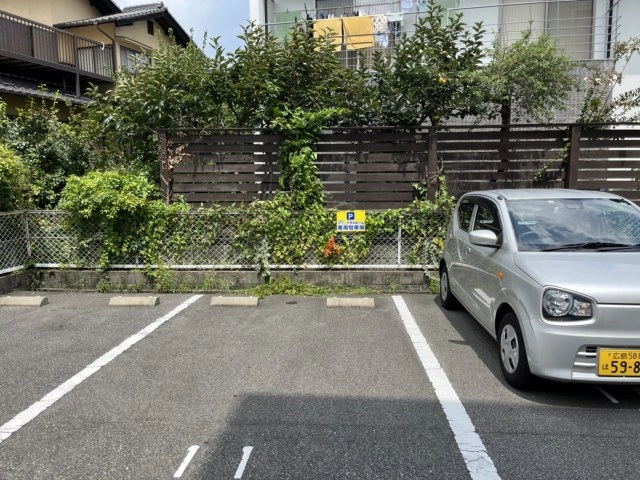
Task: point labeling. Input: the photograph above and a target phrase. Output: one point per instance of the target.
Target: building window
(130, 59)
(570, 23)
(150, 27)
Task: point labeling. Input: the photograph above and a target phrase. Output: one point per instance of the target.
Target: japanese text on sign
(350, 220)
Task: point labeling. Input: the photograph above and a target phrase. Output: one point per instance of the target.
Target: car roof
(541, 193)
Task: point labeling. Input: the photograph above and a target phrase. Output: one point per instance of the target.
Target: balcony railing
(584, 33)
(27, 40)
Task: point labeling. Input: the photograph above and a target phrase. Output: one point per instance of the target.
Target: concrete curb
(10, 301)
(234, 301)
(333, 302)
(134, 301)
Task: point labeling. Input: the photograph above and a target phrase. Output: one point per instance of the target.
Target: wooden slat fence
(219, 168)
(482, 158)
(608, 160)
(373, 169)
(378, 168)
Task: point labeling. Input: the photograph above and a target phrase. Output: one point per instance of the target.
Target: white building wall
(498, 19)
(629, 13)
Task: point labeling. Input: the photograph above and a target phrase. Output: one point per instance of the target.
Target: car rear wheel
(513, 353)
(446, 297)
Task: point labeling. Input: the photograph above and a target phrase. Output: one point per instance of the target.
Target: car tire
(446, 296)
(512, 353)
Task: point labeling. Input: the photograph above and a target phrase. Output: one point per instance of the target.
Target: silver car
(554, 276)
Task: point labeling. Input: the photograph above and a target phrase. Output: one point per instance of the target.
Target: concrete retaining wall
(14, 281)
(136, 281)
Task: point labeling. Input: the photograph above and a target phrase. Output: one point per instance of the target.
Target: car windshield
(594, 224)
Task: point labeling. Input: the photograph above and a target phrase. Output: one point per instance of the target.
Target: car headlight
(561, 305)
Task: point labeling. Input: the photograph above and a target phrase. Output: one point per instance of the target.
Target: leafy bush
(126, 210)
(50, 148)
(13, 181)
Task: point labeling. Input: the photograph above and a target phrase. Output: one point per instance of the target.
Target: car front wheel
(513, 353)
(446, 297)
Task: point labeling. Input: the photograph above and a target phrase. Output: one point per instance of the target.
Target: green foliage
(431, 74)
(301, 74)
(50, 149)
(274, 233)
(423, 225)
(13, 181)
(125, 209)
(277, 233)
(180, 88)
(283, 285)
(298, 172)
(253, 87)
(434, 285)
(529, 77)
(600, 104)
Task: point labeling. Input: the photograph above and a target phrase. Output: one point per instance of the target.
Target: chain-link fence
(198, 241)
(14, 244)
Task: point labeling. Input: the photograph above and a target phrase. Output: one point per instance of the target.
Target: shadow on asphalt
(311, 437)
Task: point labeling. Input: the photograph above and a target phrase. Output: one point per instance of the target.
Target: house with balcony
(57, 49)
(586, 30)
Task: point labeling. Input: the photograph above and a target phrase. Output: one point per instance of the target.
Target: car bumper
(569, 352)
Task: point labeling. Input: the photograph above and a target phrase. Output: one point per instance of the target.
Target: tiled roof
(26, 87)
(145, 6)
(134, 13)
(156, 11)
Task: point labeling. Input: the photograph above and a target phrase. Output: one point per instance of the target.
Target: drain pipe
(266, 16)
(610, 29)
(113, 46)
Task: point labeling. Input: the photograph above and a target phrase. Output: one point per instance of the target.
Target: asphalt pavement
(289, 389)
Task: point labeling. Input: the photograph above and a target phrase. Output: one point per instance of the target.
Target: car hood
(607, 277)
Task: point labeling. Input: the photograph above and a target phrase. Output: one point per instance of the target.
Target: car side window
(487, 218)
(464, 213)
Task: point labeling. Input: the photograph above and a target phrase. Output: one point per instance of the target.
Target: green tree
(600, 104)
(431, 74)
(303, 72)
(13, 181)
(180, 88)
(529, 77)
(50, 149)
(253, 86)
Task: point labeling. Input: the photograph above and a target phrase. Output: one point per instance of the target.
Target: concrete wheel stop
(23, 301)
(134, 301)
(349, 302)
(230, 301)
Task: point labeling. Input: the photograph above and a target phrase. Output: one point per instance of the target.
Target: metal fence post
(432, 163)
(399, 245)
(27, 235)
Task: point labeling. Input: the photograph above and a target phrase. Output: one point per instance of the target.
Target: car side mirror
(486, 238)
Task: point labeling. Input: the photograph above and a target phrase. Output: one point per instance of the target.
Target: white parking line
(474, 453)
(246, 453)
(607, 394)
(24, 417)
(187, 460)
